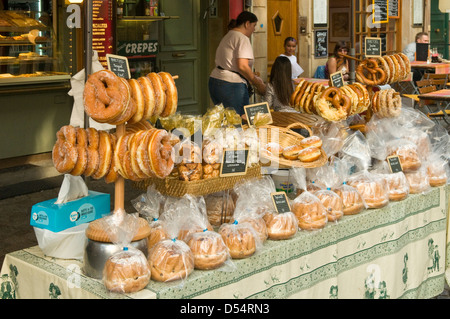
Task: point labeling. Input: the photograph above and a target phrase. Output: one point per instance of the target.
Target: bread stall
(33, 84)
(366, 218)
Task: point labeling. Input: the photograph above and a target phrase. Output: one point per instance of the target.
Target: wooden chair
(423, 86)
(440, 80)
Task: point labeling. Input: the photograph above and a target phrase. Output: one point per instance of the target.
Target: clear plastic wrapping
(372, 188)
(149, 205)
(397, 184)
(331, 200)
(281, 226)
(407, 152)
(309, 210)
(418, 181)
(437, 170)
(171, 259)
(126, 270)
(220, 207)
(207, 246)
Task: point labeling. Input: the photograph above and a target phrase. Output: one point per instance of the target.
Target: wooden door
(182, 52)
(282, 17)
(439, 35)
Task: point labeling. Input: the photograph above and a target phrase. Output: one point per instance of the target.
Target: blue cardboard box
(58, 217)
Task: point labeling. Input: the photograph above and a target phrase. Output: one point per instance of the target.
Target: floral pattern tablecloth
(398, 251)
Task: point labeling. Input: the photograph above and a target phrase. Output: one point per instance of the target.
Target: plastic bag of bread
(207, 246)
(332, 134)
(171, 259)
(194, 209)
(220, 207)
(309, 210)
(281, 226)
(240, 238)
(353, 202)
(437, 170)
(188, 156)
(397, 184)
(255, 195)
(149, 205)
(331, 200)
(251, 141)
(407, 153)
(372, 188)
(126, 270)
(418, 181)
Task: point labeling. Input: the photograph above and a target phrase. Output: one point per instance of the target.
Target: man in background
(410, 51)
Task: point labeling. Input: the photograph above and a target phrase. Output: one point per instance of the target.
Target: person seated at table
(410, 52)
(338, 63)
(290, 44)
(410, 49)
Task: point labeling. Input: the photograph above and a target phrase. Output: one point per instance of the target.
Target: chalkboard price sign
(321, 44)
(258, 114)
(119, 65)
(337, 79)
(280, 202)
(372, 47)
(394, 164)
(234, 162)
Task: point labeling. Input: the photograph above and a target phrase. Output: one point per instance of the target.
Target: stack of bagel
(383, 70)
(386, 103)
(136, 155)
(111, 99)
(314, 98)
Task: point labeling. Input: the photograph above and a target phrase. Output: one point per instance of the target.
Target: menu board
(394, 9)
(372, 47)
(102, 29)
(321, 44)
(380, 11)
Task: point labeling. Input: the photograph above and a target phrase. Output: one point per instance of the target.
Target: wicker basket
(284, 119)
(287, 137)
(172, 186)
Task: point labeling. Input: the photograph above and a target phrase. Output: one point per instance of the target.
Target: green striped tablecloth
(398, 251)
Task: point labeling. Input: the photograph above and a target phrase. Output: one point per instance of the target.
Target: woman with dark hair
(337, 63)
(280, 86)
(232, 78)
(290, 45)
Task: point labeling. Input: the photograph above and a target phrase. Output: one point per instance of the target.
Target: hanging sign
(337, 79)
(119, 65)
(321, 44)
(372, 47)
(393, 7)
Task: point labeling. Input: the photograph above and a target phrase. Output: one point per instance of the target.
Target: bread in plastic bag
(126, 270)
(418, 181)
(352, 201)
(281, 226)
(407, 153)
(372, 188)
(307, 207)
(220, 207)
(171, 259)
(437, 170)
(240, 238)
(331, 201)
(397, 184)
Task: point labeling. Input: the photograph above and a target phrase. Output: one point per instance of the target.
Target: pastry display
(383, 70)
(281, 226)
(126, 271)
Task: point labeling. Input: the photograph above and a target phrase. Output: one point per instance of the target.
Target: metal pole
(352, 75)
(87, 46)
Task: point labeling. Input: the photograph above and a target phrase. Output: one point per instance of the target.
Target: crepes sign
(138, 48)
